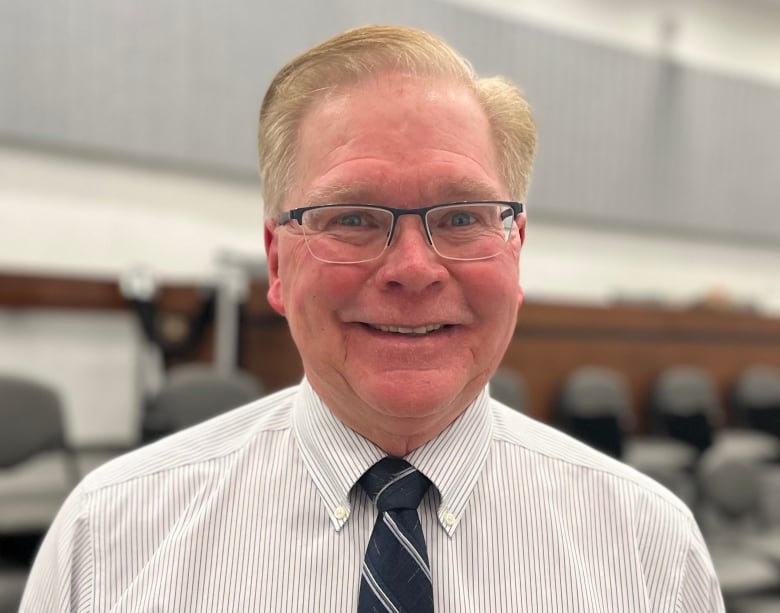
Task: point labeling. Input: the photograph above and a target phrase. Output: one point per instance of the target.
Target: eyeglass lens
(354, 233)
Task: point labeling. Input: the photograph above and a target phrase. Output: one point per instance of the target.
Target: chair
(684, 405)
(756, 398)
(30, 420)
(12, 582)
(37, 466)
(594, 406)
(508, 387)
(745, 551)
(730, 486)
(194, 393)
(37, 471)
(759, 604)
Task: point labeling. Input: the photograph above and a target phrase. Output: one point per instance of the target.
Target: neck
(396, 431)
(398, 436)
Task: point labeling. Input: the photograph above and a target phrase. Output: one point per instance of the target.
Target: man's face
(403, 142)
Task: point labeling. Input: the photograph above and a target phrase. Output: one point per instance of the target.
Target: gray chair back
(194, 393)
(756, 398)
(685, 405)
(31, 419)
(508, 387)
(594, 405)
(729, 483)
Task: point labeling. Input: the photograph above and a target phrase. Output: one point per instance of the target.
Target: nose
(409, 260)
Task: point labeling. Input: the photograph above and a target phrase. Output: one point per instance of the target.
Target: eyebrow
(334, 194)
(445, 190)
(466, 188)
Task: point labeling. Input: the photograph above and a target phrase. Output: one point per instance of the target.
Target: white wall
(587, 265)
(729, 36)
(67, 216)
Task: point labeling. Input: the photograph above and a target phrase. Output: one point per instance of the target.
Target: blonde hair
(365, 51)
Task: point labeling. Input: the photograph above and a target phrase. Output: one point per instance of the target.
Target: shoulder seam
(86, 488)
(678, 506)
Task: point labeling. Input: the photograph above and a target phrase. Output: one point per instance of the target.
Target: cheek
(495, 295)
(315, 292)
(498, 285)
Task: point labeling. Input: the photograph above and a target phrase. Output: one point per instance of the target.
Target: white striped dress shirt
(257, 510)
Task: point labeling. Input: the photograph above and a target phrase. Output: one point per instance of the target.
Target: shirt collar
(337, 456)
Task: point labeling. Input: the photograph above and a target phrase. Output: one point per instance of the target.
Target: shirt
(258, 510)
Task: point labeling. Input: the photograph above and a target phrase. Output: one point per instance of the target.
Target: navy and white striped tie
(396, 576)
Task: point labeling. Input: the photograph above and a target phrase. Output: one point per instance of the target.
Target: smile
(402, 330)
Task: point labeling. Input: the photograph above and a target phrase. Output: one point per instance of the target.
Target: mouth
(409, 331)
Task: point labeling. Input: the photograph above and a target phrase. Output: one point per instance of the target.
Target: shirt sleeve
(700, 590)
(61, 577)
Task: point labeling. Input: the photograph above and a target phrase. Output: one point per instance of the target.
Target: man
(392, 178)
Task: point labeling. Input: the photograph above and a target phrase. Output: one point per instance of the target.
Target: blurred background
(132, 273)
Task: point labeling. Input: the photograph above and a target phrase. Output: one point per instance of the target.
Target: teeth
(400, 330)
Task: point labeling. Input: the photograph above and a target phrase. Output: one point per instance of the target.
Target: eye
(353, 218)
(337, 218)
(461, 218)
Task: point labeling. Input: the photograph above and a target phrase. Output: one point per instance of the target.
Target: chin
(409, 398)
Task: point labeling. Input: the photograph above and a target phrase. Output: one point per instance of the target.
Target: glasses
(356, 233)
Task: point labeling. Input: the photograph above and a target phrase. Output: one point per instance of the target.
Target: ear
(274, 295)
(521, 221)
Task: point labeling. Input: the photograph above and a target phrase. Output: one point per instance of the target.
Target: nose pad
(415, 225)
(410, 262)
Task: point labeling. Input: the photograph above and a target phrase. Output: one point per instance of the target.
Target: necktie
(396, 576)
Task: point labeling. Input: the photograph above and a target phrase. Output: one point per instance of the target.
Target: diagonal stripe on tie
(376, 590)
(396, 575)
(406, 543)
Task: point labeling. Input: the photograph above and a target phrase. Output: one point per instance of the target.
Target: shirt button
(449, 518)
(340, 512)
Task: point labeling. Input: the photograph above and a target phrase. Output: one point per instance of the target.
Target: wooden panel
(25, 291)
(19, 291)
(552, 340)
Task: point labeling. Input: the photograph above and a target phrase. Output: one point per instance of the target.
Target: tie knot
(393, 483)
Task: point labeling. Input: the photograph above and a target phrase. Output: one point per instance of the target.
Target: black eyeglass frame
(422, 212)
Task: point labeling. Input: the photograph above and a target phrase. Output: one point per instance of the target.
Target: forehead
(393, 139)
(440, 189)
